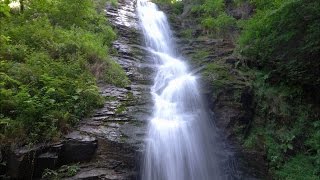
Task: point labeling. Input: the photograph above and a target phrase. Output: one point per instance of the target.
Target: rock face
(78, 148)
(226, 88)
(107, 145)
(28, 162)
(120, 126)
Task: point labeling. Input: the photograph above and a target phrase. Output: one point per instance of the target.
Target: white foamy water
(181, 142)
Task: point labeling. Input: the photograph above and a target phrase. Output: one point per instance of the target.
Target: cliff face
(120, 125)
(108, 144)
(226, 85)
(252, 78)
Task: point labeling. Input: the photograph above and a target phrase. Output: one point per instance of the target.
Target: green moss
(124, 105)
(121, 109)
(218, 74)
(130, 96)
(114, 74)
(123, 138)
(110, 98)
(114, 3)
(199, 56)
(187, 33)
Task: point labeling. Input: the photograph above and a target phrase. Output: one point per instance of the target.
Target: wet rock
(231, 60)
(47, 160)
(119, 126)
(227, 90)
(28, 162)
(100, 173)
(3, 167)
(20, 163)
(93, 174)
(243, 11)
(78, 148)
(108, 143)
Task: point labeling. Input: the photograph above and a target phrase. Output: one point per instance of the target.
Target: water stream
(182, 142)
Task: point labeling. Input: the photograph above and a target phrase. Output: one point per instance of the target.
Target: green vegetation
(114, 3)
(53, 52)
(51, 55)
(187, 33)
(197, 57)
(299, 167)
(225, 79)
(279, 46)
(283, 39)
(63, 172)
(286, 127)
(281, 42)
(218, 74)
(211, 13)
(213, 18)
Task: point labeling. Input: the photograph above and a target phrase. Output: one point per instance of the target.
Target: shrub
(48, 60)
(282, 40)
(287, 126)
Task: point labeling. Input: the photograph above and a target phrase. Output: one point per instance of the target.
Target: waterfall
(182, 142)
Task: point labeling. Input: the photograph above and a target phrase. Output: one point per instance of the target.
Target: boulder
(29, 162)
(21, 161)
(78, 148)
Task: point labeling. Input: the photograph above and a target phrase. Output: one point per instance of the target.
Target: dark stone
(21, 161)
(196, 32)
(78, 148)
(48, 160)
(245, 11)
(28, 162)
(128, 88)
(3, 166)
(231, 60)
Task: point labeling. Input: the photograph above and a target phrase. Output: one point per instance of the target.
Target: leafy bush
(62, 172)
(282, 39)
(208, 23)
(222, 22)
(51, 56)
(116, 75)
(213, 7)
(4, 9)
(187, 33)
(298, 167)
(287, 128)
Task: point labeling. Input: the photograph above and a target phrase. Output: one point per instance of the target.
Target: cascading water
(181, 142)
